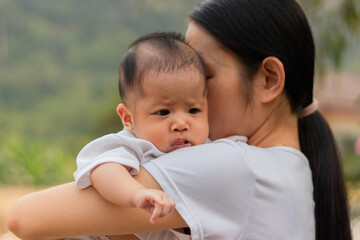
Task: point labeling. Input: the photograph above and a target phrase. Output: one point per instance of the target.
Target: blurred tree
(335, 25)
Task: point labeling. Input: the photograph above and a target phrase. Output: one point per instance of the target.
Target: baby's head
(163, 89)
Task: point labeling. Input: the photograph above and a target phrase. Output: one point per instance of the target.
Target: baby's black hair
(159, 52)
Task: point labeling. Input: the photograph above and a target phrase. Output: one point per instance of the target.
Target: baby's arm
(114, 183)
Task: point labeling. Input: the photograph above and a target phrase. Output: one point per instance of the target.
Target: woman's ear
(274, 80)
(126, 116)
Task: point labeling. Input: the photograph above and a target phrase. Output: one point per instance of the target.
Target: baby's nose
(179, 125)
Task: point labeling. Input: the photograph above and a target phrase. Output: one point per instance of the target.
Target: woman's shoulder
(219, 154)
(221, 165)
(273, 160)
(234, 156)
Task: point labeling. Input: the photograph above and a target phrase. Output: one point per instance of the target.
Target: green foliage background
(58, 74)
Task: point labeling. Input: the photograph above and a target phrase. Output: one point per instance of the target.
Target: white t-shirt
(231, 190)
(122, 147)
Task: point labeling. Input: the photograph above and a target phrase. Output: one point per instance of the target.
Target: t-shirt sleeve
(122, 148)
(212, 186)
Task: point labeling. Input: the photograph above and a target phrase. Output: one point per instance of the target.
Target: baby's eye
(163, 112)
(194, 110)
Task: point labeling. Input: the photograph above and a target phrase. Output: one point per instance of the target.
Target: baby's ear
(126, 116)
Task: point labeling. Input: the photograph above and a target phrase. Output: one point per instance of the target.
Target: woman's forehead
(197, 35)
(212, 51)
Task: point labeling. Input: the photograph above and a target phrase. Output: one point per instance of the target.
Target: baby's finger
(169, 205)
(167, 208)
(157, 199)
(156, 213)
(172, 204)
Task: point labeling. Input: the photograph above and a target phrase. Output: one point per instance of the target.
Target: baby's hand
(156, 202)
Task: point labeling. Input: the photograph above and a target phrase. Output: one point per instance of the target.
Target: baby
(164, 108)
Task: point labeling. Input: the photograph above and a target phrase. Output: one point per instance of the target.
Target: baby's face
(171, 112)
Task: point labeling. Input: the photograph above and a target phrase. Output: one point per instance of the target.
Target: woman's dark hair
(256, 29)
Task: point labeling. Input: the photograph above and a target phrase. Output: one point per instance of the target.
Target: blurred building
(339, 100)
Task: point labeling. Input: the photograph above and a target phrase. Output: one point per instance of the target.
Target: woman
(286, 183)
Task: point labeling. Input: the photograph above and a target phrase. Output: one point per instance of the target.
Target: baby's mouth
(181, 143)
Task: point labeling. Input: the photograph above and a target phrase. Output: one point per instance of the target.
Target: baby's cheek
(162, 143)
(203, 134)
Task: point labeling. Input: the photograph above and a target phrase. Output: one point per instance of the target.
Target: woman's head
(248, 32)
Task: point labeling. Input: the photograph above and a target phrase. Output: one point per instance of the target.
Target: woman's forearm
(64, 211)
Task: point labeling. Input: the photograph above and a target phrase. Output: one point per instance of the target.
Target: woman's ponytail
(331, 208)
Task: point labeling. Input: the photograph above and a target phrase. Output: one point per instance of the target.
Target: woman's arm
(64, 211)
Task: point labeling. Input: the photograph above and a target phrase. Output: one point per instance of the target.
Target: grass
(32, 162)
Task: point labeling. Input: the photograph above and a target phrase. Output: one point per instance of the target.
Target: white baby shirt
(122, 147)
